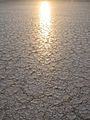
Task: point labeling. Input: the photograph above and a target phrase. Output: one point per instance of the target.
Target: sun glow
(45, 19)
(45, 8)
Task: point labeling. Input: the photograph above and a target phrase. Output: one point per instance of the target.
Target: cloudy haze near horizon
(46, 0)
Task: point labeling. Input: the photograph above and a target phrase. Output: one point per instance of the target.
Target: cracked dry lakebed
(45, 60)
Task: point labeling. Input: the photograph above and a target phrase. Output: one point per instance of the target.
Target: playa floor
(45, 61)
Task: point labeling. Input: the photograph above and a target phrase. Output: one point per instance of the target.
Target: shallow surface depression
(44, 60)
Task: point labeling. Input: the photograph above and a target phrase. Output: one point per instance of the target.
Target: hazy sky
(43, 0)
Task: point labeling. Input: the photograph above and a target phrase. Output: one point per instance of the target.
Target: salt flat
(45, 61)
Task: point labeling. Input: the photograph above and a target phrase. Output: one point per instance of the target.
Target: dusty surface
(45, 65)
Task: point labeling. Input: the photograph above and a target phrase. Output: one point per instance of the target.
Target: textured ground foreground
(45, 77)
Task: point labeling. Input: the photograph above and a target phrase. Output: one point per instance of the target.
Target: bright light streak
(45, 18)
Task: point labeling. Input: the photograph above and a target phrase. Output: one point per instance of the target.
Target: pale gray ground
(45, 78)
